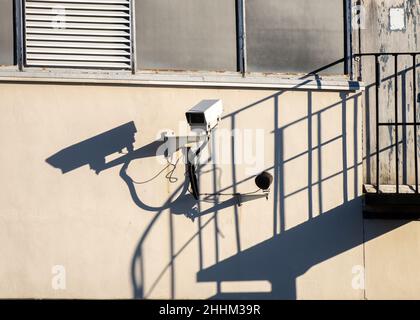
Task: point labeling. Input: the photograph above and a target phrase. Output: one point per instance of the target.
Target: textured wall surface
(119, 239)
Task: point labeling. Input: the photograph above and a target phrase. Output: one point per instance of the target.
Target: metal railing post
(378, 84)
(396, 123)
(415, 122)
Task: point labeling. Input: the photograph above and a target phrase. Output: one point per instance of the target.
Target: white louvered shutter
(78, 33)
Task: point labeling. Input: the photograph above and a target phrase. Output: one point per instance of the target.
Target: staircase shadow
(288, 255)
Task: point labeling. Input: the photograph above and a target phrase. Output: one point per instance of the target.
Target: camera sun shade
(205, 115)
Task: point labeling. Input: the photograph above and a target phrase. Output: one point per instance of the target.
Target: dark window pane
(6, 33)
(186, 34)
(296, 36)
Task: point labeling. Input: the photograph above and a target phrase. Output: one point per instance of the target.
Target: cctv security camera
(205, 115)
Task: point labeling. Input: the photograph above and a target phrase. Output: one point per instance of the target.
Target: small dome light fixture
(264, 180)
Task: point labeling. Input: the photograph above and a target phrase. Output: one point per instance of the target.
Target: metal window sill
(183, 79)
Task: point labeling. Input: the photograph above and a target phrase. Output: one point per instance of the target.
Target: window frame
(228, 78)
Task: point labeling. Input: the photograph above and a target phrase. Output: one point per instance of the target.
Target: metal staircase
(399, 199)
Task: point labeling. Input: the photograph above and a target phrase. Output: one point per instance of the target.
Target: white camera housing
(205, 115)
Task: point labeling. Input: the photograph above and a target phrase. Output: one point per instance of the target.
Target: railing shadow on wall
(281, 259)
(291, 252)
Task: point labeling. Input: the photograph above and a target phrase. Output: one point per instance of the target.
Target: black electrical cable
(192, 175)
(168, 176)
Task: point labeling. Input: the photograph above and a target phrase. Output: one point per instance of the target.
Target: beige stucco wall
(117, 242)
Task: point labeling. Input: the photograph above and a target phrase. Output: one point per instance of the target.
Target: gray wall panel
(294, 35)
(186, 34)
